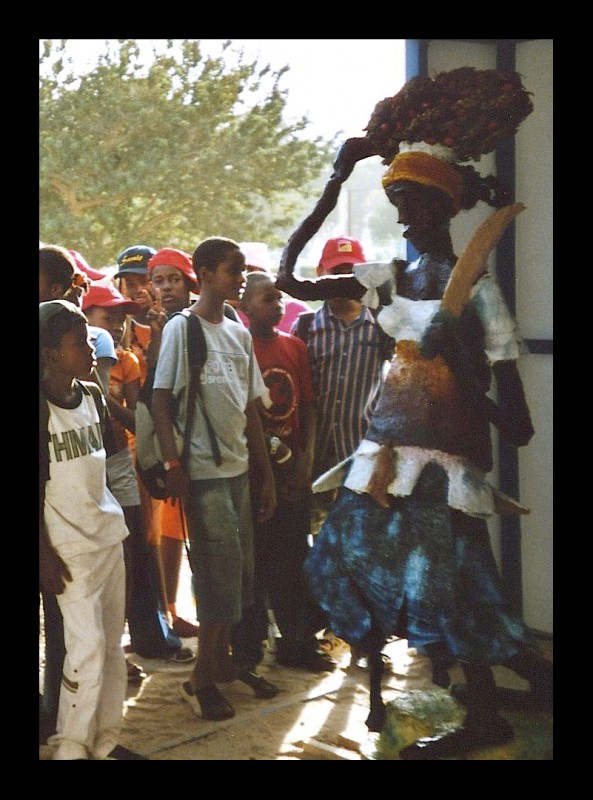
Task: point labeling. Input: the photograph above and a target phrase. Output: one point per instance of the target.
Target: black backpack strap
(91, 388)
(196, 344)
(303, 325)
(196, 355)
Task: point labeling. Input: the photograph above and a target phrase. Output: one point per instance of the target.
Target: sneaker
(182, 656)
(312, 661)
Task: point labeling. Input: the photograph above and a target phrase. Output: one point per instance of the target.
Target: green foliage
(169, 153)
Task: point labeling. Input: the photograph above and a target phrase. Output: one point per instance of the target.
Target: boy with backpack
(216, 495)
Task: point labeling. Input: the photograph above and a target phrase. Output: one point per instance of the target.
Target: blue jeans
(151, 636)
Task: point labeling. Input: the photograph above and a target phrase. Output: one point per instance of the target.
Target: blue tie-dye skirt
(418, 570)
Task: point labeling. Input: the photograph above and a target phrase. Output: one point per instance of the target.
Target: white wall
(533, 296)
(534, 156)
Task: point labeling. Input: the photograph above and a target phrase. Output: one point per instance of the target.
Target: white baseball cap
(257, 256)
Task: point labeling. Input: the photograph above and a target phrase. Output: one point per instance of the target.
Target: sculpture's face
(424, 211)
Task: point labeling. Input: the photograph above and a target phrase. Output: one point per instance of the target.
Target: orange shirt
(139, 342)
(125, 371)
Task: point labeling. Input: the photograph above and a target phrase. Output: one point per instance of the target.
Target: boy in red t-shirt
(282, 543)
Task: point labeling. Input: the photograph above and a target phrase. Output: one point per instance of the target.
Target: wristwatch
(169, 465)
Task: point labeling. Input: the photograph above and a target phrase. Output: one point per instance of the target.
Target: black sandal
(213, 704)
(261, 687)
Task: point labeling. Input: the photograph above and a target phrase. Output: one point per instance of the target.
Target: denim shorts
(220, 532)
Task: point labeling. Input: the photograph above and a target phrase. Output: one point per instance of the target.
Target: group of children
(256, 388)
(405, 549)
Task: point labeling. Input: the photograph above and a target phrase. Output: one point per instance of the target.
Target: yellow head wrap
(426, 169)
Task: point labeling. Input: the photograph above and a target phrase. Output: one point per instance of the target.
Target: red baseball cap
(82, 264)
(107, 296)
(171, 257)
(341, 250)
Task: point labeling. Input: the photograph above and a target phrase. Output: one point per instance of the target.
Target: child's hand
(143, 298)
(177, 484)
(156, 316)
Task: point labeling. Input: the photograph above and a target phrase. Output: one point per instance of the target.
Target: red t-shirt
(284, 366)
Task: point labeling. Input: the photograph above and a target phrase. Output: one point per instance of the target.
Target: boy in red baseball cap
(339, 255)
(105, 306)
(347, 351)
(172, 278)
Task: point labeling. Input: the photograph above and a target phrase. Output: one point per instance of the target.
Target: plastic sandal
(207, 703)
(261, 687)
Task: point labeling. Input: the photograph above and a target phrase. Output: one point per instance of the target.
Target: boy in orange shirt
(164, 525)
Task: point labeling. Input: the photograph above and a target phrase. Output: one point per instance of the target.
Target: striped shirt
(347, 363)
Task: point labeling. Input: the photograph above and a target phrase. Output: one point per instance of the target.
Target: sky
(336, 83)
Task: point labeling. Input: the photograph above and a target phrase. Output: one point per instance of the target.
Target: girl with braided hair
(405, 549)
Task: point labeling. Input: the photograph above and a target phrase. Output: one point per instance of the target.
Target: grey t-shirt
(229, 379)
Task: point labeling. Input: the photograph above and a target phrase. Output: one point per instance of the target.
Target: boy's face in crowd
(265, 305)
(172, 285)
(48, 290)
(76, 354)
(339, 269)
(111, 319)
(227, 281)
(137, 288)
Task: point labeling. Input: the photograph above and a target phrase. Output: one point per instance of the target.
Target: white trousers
(94, 680)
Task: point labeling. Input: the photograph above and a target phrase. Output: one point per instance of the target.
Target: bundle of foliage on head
(171, 152)
(466, 110)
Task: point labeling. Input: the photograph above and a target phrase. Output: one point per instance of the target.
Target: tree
(169, 153)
